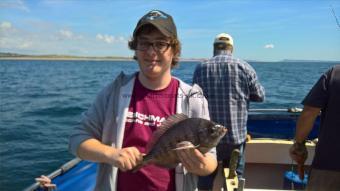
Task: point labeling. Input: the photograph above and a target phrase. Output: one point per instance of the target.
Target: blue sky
(262, 30)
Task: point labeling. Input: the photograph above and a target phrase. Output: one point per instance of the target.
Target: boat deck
(267, 161)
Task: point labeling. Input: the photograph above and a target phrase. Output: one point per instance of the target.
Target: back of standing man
(324, 97)
(229, 85)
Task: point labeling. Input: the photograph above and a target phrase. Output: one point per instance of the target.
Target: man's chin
(151, 73)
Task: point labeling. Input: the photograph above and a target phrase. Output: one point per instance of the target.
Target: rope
(336, 18)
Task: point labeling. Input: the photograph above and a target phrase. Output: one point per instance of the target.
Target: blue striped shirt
(229, 84)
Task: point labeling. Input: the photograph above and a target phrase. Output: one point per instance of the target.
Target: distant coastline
(82, 58)
(15, 56)
(65, 58)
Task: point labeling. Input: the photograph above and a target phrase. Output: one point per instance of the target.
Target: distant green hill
(8, 55)
(14, 56)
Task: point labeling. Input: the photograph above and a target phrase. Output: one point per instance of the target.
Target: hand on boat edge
(45, 182)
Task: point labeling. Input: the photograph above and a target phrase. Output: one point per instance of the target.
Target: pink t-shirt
(148, 108)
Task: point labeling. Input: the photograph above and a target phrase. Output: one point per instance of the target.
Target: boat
(268, 165)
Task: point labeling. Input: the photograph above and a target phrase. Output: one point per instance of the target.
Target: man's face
(154, 54)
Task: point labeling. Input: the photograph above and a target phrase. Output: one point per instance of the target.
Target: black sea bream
(179, 130)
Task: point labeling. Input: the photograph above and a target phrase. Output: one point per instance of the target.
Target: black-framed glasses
(158, 46)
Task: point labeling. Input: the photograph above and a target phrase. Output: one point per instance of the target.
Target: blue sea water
(41, 102)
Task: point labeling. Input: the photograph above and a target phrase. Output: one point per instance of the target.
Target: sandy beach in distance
(85, 58)
(65, 58)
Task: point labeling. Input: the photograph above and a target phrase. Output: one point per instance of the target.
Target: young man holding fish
(117, 128)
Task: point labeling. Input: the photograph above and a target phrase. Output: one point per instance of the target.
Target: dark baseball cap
(162, 21)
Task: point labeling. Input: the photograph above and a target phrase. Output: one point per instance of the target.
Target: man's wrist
(299, 142)
(108, 154)
(300, 146)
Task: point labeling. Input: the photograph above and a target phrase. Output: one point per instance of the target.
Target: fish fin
(146, 160)
(136, 168)
(167, 124)
(170, 166)
(173, 119)
(203, 149)
(185, 145)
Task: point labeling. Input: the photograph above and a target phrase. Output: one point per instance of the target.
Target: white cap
(224, 38)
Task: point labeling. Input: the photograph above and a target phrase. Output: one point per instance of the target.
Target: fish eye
(218, 126)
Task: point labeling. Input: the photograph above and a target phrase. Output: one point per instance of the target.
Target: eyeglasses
(158, 46)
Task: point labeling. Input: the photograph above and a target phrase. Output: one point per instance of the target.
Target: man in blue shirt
(229, 84)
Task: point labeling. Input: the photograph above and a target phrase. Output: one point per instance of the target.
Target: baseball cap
(162, 21)
(224, 38)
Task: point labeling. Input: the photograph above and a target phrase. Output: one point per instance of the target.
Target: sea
(42, 101)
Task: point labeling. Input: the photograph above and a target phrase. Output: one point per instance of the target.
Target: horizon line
(18, 56)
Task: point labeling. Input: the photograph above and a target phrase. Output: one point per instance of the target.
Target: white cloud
(14, 4)
(15, 43)
(50, 39)
(106, 38)
(269, 46)
(67, 34)
(122, 39)
(110, 39)
(3, 42)
(25, 45)
(5, 25)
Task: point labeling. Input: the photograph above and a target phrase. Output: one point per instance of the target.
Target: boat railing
(274, 114)
(290, 110)
(64, 168)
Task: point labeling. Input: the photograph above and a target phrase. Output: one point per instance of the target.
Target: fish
(180, 132)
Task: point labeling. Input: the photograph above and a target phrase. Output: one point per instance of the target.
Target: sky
(263, 30)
